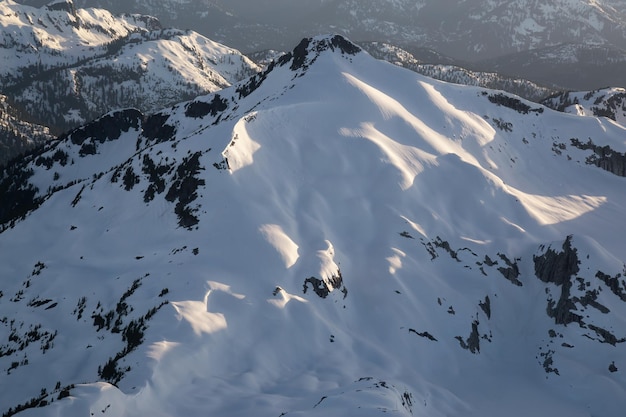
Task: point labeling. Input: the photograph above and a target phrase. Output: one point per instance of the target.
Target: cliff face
(560, 268)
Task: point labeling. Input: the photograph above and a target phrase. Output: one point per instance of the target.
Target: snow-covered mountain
(423, 64)
(461, 28)
(334, 236)
(572, 66)
(608, 102)
(65, 66)
(432, 64)
(471, 30)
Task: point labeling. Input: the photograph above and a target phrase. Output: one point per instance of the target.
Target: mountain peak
(310, 48)
(62, 6)
(301, 58)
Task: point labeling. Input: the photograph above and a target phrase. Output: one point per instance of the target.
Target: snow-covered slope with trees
(432, 65)
(17, 135)
(469, 29)
(607, 102)
(65, 66)
(334, 236)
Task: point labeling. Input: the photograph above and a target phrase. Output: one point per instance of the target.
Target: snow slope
(335, 236)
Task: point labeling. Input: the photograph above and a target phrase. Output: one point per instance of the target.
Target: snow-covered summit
(62, 5)
(333, 236)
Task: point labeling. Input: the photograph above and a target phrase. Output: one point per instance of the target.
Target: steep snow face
(66, 66)
(334, 236)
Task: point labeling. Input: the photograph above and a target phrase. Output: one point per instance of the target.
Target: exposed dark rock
(472, 343)
(222, 165)
(59, 156)
(17, 194)
(423, 334)
(442, 244)
(197, 108)
(62, 6)
(130, 179)
(548, 361)
(77, 197)
(184, 190)
(132, 332)
(616, 286)
(322, 289)
(603, 157)
(512, 103)
(300, 54)
(612, 367)
(486, 307)
(156, 178)
(490, 262)
(88, 149)
(557, 267)
(610, 106)
(107, 128)
(511, 272)
(606, 336)
(560, 268)
(589, 299)
(503, 125)
(307, 51)
(155, 128)
(344, 45)
(255, 81)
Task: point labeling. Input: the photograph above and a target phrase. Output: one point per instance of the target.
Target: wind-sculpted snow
(334, 236)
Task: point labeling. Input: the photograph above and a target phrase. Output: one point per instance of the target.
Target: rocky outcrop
(603, 157)
(107, 128)
(560, 269)
(323, 288)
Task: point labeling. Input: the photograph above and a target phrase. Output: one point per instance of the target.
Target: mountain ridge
(477, 29)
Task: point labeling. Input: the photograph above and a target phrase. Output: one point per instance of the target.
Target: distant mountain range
(584, 33)
(333, 236)
(422, 62)
(66, 66)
